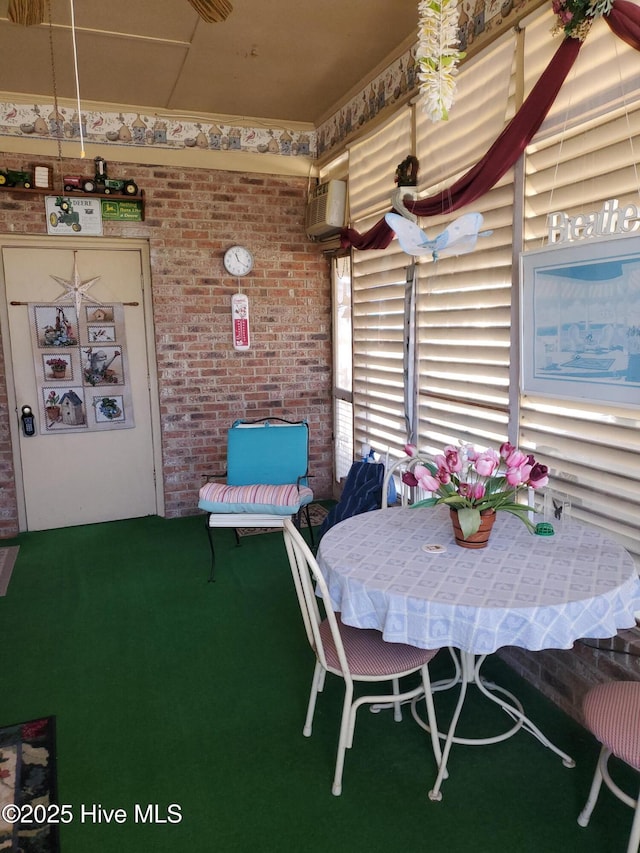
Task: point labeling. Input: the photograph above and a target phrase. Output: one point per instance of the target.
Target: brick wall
(192, 216)
(565, 675)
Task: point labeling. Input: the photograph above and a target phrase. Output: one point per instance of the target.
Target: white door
(81, 477)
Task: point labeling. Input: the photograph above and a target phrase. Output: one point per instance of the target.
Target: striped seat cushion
(275, 500)
(369, 655)
(612, 713)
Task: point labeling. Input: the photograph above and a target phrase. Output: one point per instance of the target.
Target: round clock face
(238, 260)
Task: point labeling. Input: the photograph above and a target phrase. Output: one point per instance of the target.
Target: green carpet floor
(169, 690)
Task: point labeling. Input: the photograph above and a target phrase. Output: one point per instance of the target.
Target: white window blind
(605, 76)
(378, 343)
(464, 305)
(464, 320)
(586, 153)
(342, 368)
(372, 167)
(378, 286)
(481, 109)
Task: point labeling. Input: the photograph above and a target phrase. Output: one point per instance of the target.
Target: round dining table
(399, 570)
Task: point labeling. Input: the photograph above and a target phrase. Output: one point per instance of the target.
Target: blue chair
(267, 478)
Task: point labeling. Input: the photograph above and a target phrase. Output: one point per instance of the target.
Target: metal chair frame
(306, 573)
(237, 520)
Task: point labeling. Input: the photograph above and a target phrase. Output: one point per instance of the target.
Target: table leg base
(470, 674)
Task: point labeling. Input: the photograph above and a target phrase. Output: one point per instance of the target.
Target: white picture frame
(580, 321)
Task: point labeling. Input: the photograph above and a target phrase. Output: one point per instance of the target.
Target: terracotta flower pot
(58, 372)
(480, 538)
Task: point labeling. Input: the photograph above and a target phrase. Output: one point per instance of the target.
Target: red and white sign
(240, 318)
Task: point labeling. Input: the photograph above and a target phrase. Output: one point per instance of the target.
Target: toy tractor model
(66, 216)
(105, 184)
(100, 183)
(75, 182)
(113, 185)
(13, 178)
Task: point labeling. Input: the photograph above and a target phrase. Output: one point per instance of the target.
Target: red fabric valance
(624, 21)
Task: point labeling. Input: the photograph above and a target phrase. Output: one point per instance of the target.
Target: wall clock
(238, 260)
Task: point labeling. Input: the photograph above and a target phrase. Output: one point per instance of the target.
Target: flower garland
(438, 55)
(574, 17)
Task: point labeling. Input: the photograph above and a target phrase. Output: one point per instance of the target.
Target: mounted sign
(240, 318)
(66, 215)
(122, 211)
(609, 221)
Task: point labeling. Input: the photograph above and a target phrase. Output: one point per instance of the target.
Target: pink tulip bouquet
(470, 481)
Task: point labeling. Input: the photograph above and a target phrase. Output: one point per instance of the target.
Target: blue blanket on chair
(362, 493)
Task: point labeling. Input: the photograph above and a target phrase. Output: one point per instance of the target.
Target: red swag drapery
(624, 21)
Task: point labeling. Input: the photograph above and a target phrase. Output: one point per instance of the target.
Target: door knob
(28, 421)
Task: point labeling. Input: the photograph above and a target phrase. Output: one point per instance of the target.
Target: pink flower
(408, 479)
(486, 463)
(506, 449)
(410, 449)
(516, 458)
(538, 478)
(444, 476)
(425, 479)
(453, 462)
(477, 491)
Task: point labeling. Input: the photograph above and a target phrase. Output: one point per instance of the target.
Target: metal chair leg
(308, 514)
(213, 553)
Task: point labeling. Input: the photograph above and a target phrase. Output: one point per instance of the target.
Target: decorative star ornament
(75, 288)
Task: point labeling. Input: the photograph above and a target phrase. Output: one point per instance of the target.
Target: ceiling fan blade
(26, 12)
(212, 11)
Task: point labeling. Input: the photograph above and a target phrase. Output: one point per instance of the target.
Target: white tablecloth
(524, 590)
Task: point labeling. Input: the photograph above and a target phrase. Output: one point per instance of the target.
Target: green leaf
(469, 521)
(425, 502)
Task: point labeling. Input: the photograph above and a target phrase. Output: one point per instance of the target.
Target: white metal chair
(353, 654)
(407, 494)
(612, 714)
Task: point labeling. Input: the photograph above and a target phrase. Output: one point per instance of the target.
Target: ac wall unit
(326, 209)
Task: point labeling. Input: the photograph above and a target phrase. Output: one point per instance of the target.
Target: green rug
(27, 788)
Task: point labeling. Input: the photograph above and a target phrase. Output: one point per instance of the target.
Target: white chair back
(372, 659)
(308, 578)
(406, 494)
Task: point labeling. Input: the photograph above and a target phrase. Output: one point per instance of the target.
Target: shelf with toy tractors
(101, 184)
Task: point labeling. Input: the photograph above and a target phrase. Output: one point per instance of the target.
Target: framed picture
(57, 366)
(580, 321)
(55, 325)
(109, 409)
(42, 177)
(101, 333)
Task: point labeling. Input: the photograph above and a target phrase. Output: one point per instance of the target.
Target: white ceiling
(273, 59)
